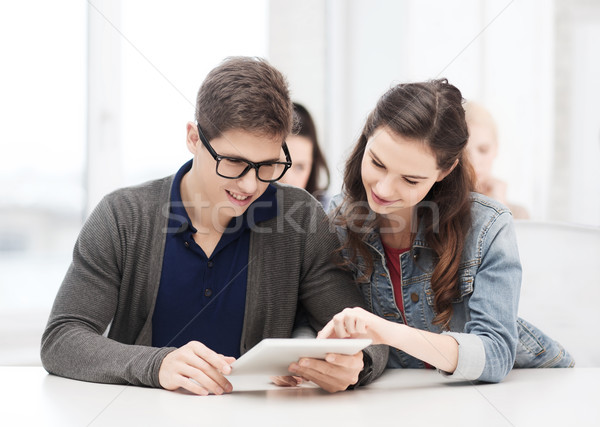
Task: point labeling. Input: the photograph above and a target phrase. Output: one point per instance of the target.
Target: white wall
(518, 87)
(584, 141)
(301, 53)
(42, 146)
(147, 61)
(580, 139)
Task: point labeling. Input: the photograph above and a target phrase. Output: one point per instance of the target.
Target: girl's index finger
(327, 332)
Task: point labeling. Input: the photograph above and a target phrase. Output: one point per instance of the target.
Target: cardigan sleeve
(73, 344)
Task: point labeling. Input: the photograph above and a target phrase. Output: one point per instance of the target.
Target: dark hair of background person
(244, 93)
(432, 113)
(305, 126)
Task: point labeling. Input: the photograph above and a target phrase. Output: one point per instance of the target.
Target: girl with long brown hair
(437, 263)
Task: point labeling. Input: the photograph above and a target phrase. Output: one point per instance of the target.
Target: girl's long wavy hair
(429, 112)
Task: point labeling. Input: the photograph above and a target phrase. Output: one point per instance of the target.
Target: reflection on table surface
(526, 397)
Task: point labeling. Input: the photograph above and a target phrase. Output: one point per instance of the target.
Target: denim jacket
(491, 337)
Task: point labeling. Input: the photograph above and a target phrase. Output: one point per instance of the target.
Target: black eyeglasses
(234, 167)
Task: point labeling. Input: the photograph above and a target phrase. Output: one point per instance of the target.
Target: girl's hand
(356, 323)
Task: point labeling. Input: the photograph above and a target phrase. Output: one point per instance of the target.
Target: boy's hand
(197, 369)
(335, 373)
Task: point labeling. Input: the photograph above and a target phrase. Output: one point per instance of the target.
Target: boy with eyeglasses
(184, 274)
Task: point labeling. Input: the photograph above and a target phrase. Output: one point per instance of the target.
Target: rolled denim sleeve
(488, 342)
(471, 357)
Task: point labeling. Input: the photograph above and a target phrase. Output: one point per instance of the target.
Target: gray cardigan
(116, 269)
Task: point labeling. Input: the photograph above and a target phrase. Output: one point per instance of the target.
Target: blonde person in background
(482, 149)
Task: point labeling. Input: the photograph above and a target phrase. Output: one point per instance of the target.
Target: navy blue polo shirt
(204, 298)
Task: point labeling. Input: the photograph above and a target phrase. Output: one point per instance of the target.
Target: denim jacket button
(414, 297)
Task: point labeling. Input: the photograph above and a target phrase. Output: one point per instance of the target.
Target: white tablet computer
(272, 356)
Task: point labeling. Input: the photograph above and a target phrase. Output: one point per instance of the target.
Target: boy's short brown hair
(245, 93)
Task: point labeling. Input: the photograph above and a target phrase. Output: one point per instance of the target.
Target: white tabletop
(542, 397)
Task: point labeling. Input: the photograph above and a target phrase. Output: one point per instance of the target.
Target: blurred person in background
(482, 149)
(309, 169)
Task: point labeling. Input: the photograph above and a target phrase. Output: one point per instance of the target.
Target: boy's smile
(225, 198)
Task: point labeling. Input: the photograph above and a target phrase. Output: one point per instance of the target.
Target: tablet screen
(272, 356)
